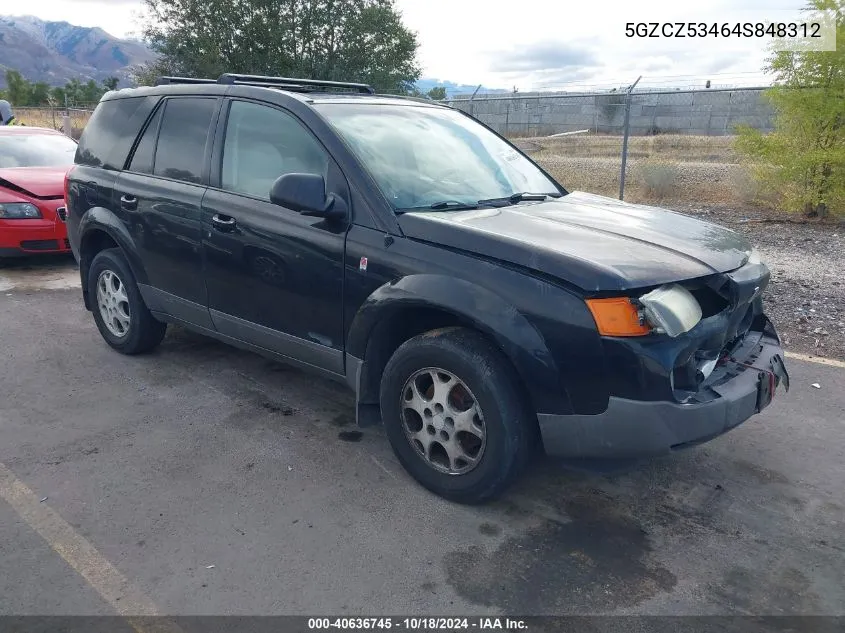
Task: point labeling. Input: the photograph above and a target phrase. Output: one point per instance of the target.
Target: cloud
(543, 57)
(719, 64)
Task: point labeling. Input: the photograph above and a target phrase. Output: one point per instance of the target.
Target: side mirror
(306, 194)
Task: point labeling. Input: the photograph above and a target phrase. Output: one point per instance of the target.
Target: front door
(274, 277)
(160, 196)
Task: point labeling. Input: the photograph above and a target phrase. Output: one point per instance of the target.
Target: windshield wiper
(445, 205)
(452, 205)
(519, 197)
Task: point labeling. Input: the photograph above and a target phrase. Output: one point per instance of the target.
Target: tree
(804, 158)
(18, 89)
(21, 92)
(74, 92)
(39, 94)
(341, 40)
(57, 97)
(110, 83)
(438, 93)
(91, 92)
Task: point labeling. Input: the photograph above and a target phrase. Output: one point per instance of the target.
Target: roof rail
(288, 83)
(163, 81)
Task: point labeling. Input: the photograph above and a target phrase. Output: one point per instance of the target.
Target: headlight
(671, 310)
(18, 211)
(754, 257)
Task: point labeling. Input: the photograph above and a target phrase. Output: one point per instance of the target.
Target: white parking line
(124, 597)
(819, 360)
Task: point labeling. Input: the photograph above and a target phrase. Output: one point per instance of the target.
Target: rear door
(160, 196)
(274, 276)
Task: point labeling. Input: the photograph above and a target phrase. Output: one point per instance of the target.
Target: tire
(478, 373)
(143, 332)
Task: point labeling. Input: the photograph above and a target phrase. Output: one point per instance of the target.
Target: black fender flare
(488, 312)
(99, 219)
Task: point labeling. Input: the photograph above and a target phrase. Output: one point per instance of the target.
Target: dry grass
(52, 118)
(668, 168)
(717, 149)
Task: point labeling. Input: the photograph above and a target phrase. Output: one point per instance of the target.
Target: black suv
(477, 308)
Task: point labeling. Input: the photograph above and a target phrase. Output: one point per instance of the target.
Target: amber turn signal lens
(617, 317)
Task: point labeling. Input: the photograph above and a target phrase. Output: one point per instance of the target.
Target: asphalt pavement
(205, 480)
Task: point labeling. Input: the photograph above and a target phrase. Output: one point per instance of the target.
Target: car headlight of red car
(18, 211)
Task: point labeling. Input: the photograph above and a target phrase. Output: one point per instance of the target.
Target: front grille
(40, 245)
(61, 212)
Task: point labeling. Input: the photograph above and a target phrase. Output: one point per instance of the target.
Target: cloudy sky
(536, 44)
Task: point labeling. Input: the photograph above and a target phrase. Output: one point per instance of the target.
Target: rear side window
(113, 127)
(180, 153)
(142, 160)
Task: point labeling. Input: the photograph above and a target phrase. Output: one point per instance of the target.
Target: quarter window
(142, 160)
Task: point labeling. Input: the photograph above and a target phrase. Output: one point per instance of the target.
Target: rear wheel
(119, 310)
(454, 414)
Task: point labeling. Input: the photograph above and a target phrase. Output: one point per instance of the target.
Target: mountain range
(56, 52)
(452, 88)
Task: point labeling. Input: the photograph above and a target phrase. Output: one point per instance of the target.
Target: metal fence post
(507, 118)
(625, 139)
(471, 99)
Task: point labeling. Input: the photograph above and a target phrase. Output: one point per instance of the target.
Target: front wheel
(119, 310)
(455, 415)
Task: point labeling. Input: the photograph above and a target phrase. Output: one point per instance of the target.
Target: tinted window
(263, 143)
(181, 142)
(113, 127)
(142, 159)
(36, 150)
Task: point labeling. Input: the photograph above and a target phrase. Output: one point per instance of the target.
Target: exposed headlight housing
(754, 257)
(18, 211)
(671, 310)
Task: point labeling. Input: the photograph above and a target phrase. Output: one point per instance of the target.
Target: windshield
(422, 156)
(36, 150)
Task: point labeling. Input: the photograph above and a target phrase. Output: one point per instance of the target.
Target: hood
(593, 242)
(38, 182)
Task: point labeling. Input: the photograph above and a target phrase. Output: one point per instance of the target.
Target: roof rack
(163, 81)
(288, 83)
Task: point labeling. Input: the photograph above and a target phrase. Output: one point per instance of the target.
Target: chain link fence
(680, 145)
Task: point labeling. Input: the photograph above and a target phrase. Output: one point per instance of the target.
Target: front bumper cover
(743, 385)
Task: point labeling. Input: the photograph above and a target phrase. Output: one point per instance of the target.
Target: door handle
(130, 203)
(223, 222)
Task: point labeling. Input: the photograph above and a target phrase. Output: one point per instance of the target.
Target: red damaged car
(33, 164)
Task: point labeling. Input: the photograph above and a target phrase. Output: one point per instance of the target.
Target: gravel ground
(806, 297)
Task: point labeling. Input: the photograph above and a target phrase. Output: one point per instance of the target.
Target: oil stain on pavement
(595, 561)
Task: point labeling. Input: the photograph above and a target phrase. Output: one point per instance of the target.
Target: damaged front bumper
(743, 383)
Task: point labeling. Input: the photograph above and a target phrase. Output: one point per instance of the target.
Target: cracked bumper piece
(633, 429)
